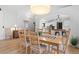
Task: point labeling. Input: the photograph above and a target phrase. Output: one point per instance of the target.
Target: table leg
(49, 48)
(57, 49)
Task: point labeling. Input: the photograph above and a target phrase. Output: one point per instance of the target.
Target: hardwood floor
(11, 47)
(72, 50)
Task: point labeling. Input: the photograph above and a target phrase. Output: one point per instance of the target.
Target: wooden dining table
(54, 42)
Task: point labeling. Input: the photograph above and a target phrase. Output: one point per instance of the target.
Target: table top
(50, 41)
(55, 41)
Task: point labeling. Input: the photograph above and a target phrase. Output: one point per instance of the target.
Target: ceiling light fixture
(40, 9)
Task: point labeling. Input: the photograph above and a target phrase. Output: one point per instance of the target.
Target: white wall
(73, 22)
(16, 14)
(73, 12)
(13, 15)
(1, 26)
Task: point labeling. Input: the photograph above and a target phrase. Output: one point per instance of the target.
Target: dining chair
(22, 39)
(63, 44)
(45, 45)
(35, 45)
(65, 40)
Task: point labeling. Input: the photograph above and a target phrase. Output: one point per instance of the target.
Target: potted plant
(40, 33)
(74, 41)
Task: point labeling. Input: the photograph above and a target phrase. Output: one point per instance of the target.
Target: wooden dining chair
(22, 40)
(46, 33)
(35, 45)
(44, 45)
(65, 40)
(63, 44)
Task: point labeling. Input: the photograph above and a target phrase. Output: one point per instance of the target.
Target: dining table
(50, 41)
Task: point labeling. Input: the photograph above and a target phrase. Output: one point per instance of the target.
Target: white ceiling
(20, 8)
(24, 10)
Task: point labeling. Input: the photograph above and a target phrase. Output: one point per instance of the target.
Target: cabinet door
(15, 34)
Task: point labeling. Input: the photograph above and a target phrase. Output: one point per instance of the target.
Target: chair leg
(65, 50)
(30, 50)
(57, 49)
(40, 51)
(26, 49)
(52, 50)
(47, 49)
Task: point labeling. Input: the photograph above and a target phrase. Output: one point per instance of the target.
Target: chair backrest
(66, 39)
(46, 32)
(32, 33)
(29, 34)
(21, 34)
(22, 38)
(67, 35)
(34, 40)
